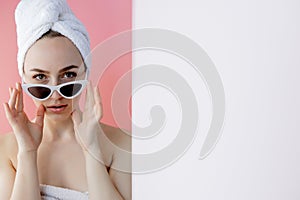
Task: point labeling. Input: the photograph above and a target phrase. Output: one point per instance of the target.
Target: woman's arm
(7, 172)
(26, 185)
(28, 137)
(99, 182)
(121, 168)
(23, 184)
(117, 183)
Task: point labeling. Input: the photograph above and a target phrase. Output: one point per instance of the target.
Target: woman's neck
(58, 130)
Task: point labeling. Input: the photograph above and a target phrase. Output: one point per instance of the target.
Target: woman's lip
(57, 108)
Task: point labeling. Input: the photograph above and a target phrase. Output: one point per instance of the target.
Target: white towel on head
(36, 17)
(49, 192)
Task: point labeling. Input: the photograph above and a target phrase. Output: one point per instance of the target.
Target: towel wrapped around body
(49, 192)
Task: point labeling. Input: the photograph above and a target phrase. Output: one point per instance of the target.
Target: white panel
(255, 46)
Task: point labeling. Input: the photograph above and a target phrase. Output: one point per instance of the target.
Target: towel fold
(49, 192)
(35, 17)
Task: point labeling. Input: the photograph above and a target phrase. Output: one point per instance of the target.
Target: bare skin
(55, 148)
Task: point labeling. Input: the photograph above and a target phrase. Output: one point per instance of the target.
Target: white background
(255, 46)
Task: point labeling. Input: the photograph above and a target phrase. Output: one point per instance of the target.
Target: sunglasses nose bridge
(55, 94)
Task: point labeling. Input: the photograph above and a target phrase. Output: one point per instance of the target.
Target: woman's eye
(39, 76)
(70, 75)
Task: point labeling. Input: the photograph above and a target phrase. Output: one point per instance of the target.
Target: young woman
(63, 153)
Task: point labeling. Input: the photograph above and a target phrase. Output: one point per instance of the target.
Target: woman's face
(52, 61)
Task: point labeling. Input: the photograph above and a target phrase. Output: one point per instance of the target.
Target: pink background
(102, 19)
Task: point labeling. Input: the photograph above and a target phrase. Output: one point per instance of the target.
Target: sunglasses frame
(53, 88)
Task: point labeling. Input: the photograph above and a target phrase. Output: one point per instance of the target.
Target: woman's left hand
(86, 124)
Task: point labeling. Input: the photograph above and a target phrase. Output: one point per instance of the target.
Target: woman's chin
(58, 115)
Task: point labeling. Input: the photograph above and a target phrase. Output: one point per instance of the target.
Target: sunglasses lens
(71, 90)
(39, 92)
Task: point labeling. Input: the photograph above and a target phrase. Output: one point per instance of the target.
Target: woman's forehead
(53, 55)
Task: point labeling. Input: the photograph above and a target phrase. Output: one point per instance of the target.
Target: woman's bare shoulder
(8, 145)
(119, 137)
(122, 156)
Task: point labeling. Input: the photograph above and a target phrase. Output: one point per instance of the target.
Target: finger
(98, 101)
(89, 97)
(76, 117)
(40, 115)
(12, 100)
(91, 94)
(20, 104)
(9, 115)
(97, 96)
(8, 112)
(10, 90)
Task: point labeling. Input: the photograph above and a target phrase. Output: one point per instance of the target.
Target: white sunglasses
(67, 90)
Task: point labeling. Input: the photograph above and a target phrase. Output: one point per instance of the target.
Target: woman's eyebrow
(62, 70)
(39, 70)
(68, 68)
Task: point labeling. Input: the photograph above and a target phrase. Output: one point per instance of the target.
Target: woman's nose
(56, 95)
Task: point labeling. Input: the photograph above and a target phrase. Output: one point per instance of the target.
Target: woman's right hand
(28, 134)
